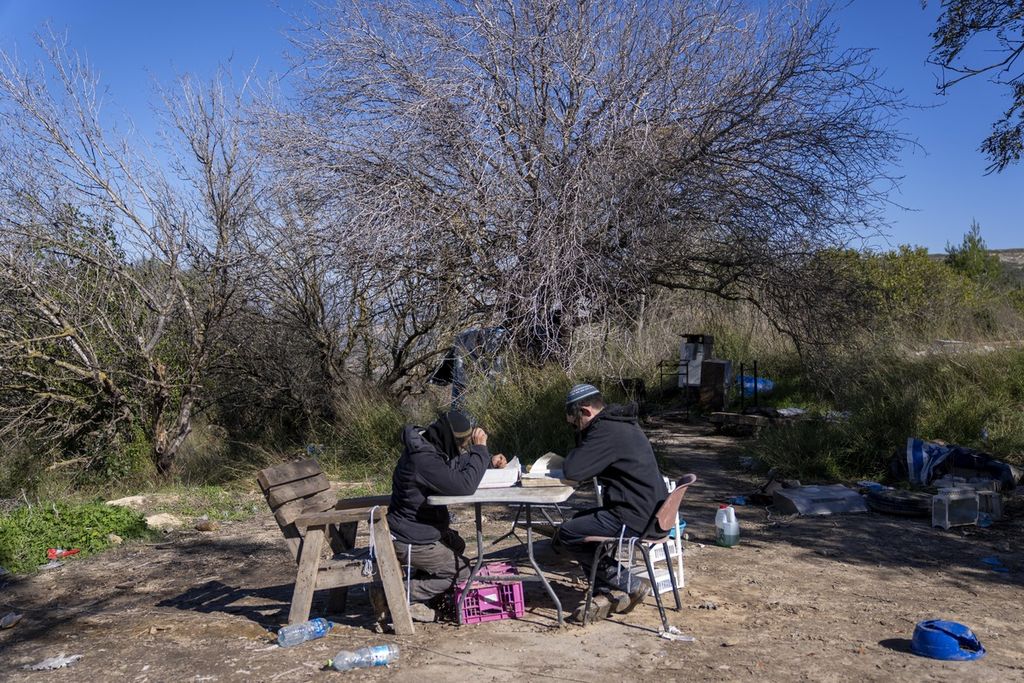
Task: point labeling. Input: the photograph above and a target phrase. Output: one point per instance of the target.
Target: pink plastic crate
(492, 601)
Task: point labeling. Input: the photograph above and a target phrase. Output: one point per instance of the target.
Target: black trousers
(594, 522)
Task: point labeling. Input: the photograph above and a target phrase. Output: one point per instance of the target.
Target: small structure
(693, 350)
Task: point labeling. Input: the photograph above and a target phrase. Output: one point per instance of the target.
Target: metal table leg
(544, 511)
(512, 531)
(480, 560)
(536, 567)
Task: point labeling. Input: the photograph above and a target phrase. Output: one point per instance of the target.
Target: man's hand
(498, 461)
(478, 437)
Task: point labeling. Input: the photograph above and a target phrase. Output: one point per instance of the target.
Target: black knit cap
(447, 432)
(460, 424)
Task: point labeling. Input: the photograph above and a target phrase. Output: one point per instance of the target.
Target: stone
(114, 539)
(164, 520)
(206, 525)
(133, 502)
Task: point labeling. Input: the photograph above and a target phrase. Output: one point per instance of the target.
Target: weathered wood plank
(740, 419)
(288, 472)
(318, 502)
(331, 517)
(391, 577)
(285, 493)
(293, 538)
(341, 577)
(306, 578)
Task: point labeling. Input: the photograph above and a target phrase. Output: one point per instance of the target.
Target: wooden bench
(309, 514)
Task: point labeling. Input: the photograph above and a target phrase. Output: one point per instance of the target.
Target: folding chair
(665, 519)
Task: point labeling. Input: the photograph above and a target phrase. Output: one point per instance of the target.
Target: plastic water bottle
(300, 633)
(364, 657)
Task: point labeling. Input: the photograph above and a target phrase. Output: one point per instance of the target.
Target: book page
(502, 478)
(548, 465)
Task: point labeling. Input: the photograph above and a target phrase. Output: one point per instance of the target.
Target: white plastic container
(727, 528)
(955, 507)
(991, 503)
(720, 519)
(729, 535)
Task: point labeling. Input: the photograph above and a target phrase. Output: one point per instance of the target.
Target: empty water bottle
(364, 657)
(300, 633)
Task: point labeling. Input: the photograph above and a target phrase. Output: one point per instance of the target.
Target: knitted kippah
(580, 392)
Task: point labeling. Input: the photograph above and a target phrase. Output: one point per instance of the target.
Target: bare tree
(563, 157)
(118, 277)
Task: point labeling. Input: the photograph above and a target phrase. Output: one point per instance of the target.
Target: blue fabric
(922, 459)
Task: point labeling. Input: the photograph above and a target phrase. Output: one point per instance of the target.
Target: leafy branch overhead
(986, 38)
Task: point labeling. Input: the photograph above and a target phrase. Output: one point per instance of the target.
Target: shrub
(365, 442)
(27, 532)
(126, 460)
(951, 398)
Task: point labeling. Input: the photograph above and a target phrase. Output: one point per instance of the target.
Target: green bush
(126, 460)
(365, 443)
(973, 259)
(951, 398)
(27, 532)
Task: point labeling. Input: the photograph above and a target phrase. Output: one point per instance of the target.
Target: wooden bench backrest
(295, 489)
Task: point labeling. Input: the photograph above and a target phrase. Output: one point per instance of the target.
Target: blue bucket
(682, 529)
(946, 640)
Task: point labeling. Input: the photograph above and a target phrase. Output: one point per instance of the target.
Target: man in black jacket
(448, 458)
(612, 447)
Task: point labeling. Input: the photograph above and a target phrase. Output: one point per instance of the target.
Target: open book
(547, 471)
(502, 478)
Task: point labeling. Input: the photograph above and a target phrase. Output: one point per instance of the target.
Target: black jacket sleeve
(590, 458)
(460, 476)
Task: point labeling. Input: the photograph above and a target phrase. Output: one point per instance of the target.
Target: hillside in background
(1013, 261)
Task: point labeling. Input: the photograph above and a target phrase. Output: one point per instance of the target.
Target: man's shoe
(600, 608)
(421, 613)
(638, 595)
(623, 602)
(619, 599)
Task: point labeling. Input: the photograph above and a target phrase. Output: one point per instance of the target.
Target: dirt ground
(822, 599)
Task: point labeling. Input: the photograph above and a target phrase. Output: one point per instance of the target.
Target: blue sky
(944, 187)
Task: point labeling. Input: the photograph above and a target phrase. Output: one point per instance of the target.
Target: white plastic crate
(955, 507)
(639, 577)
(675, 550)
